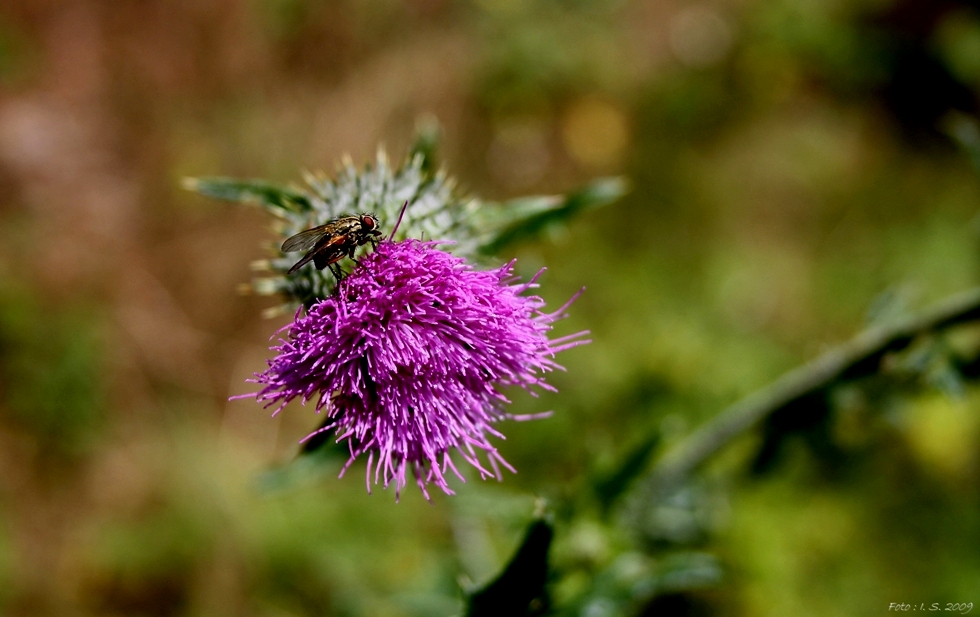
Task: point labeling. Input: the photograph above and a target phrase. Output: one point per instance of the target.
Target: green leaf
(519, 591)
(610, 487)
(272, 197)
(306, 468)
(526, 217)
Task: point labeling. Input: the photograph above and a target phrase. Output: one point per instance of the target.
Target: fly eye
(369, 222)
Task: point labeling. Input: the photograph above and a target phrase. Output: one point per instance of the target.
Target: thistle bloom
(407, 359)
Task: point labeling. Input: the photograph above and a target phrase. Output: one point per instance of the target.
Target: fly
(329, 243)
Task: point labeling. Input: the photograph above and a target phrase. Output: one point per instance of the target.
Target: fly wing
(323, 254)
(305, 240)
(302, 262)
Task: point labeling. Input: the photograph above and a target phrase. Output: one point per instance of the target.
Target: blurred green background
(790, 163)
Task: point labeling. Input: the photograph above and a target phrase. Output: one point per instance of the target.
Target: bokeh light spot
(595, 132)
(700, 36)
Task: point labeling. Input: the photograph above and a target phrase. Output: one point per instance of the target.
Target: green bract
(435, 211)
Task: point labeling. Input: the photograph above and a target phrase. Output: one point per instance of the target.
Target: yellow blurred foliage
(943, 434)
(595, 132)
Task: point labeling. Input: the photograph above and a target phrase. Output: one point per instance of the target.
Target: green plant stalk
(859, 357)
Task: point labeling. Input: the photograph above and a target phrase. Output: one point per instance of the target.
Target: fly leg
(350, 254)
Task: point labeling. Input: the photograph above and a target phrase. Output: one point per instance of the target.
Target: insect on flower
(409, 360)
(329, 243)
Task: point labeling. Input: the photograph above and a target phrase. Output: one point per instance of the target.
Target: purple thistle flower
(407, 358)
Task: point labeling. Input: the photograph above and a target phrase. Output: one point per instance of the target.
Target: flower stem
(859, 357)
